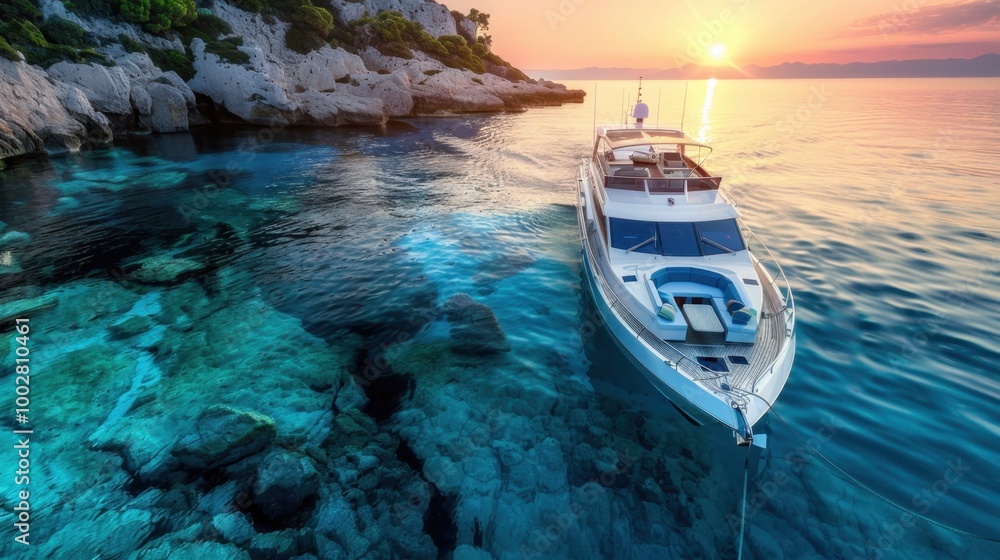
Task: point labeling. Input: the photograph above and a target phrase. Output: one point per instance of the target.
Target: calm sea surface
(879, 197)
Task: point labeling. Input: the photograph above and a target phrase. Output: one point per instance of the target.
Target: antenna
(624, 118)
(595, 109)
(638, 97)
(659, 96)
(684, 107)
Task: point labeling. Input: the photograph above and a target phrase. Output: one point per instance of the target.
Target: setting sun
(717, 51)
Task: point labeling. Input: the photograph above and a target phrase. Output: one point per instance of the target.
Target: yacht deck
(741, 378)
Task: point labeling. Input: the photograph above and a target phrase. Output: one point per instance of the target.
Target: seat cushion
(667, 311)
(742, 316)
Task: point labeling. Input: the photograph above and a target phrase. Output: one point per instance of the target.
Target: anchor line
(743, 503)
(866, 488)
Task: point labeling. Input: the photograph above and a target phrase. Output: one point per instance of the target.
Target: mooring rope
(862, 486)
(743, 503)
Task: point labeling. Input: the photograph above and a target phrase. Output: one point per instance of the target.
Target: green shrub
(227, 51)
(93, 7)
(302, 41)
(131, 45)
(8, 51)
(396, 49)
(311, 18)
(50, 54)
(431, 72)
(171, 60)
(256, 6)
(135, 11)
(65, 32)
(460, 55)
(211, 25)
(23, 33)
(19, 10)
(90, 55)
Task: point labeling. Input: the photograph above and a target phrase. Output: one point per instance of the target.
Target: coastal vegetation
(312, 25)
(43, 41)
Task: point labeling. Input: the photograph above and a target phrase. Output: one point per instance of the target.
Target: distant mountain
(987, 65)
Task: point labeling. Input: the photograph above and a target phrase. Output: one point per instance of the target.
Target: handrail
(673, 356)
(650, 183)
(789, 298)
(789, 303)
(599, 184)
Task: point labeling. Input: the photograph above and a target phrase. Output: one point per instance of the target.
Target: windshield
(677, 239)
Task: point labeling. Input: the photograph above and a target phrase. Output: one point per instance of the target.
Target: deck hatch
(713, 363)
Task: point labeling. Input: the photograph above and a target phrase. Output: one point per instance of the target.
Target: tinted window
(678, 240)
(626, 234)
(717, 236)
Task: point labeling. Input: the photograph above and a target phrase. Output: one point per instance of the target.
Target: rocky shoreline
(70, 106)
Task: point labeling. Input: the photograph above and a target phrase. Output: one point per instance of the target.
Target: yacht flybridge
(707, 321)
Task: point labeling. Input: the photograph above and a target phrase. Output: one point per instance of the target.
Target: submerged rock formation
(240, 68)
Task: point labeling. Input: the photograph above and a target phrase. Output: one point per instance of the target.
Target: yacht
(688, 292)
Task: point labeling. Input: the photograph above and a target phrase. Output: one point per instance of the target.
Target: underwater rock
(466, 552)
(475, 329)
(9, 264)
(551, 467)
(116, 534)
(234, 527)
(281, 544)
(14, 239)
(131, 327)
(284, 481)
(499, 268)
(651, 492)
(201, 550)
(223, 436)
(352, 429)
(163, 270)
(336, 518)
(21, 308)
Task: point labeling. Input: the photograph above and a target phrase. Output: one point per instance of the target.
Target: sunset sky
(565, 34)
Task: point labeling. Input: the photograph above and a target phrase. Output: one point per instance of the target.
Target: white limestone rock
(169, 109)
(393, 90)
(249, 93)
(436, 18)
(138, 66)
(106, 88)
(337, 109)
(141, 99)
(319, 70)
(33, 117)
(171, 78)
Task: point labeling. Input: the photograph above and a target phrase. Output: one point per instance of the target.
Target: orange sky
(566, 34)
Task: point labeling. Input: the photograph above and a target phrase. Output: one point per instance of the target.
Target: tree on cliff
(481, 20)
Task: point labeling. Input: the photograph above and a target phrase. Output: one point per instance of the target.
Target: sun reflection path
(706, 110)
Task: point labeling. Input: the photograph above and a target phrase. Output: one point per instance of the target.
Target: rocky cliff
(238, 62)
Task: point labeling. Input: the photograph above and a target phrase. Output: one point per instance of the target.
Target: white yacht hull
(695, 398)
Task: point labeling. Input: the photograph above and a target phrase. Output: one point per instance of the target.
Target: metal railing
(779, 279)
(672, 357)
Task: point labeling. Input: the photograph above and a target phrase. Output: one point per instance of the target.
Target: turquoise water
(313, 296)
